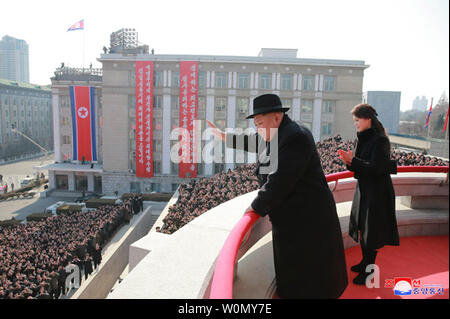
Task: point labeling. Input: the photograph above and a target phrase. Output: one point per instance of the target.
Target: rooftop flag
(77, 26)
(428, 115)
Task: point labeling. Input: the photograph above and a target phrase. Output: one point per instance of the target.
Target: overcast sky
(405, 42)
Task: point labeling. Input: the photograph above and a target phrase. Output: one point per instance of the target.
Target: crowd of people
(199, 195)
(34, 256)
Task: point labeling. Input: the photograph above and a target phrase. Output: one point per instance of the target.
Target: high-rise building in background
(420, 104)
(387, 104)
(14, 61)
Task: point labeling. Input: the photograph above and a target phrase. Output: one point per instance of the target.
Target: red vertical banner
(188, 114)
(144, 119)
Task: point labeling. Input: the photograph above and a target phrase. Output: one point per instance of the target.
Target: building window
(242, 107)
(221, 80)
(66, 139)
(62, 182)
(135, 187)
(201, 80)
(265, 80)
(307, 106)
(176, 79)
(201, 112)
(326, 128)
(243, 80)
(157, 167)
(221, 103)
(81, 183)
(286, 81)
(157, 101)
(158, 79)
(327, 106)
(329, 83)
(97, 184)
(308, 83)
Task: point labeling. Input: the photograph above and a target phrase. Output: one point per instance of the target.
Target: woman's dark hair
(366, 111)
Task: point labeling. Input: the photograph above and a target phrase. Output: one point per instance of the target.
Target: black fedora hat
(267, 103)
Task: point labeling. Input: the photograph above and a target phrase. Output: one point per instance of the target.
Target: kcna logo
(83, 112)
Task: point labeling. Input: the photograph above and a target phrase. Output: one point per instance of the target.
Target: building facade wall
(26, 108)
(320, 95)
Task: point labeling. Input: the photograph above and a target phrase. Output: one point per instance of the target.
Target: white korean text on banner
(144, 119)
(188, 114)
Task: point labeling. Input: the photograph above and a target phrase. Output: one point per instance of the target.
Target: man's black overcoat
(307, 240)
(373, 209)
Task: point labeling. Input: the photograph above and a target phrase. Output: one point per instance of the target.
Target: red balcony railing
(222, 283)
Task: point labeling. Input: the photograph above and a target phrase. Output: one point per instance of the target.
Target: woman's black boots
(368, 259)
(359, 267)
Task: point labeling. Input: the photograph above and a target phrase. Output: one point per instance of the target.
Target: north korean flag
(82, 100)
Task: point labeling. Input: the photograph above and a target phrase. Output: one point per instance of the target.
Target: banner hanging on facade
(144, 119)
(188, 114)
(82, 101)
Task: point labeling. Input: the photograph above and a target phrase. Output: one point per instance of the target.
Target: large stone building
(14, 60)
(24, 108)
(320, 93)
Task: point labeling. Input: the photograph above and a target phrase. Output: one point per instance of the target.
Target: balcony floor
(425, 258)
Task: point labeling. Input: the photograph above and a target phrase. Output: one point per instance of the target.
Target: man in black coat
(307, 240)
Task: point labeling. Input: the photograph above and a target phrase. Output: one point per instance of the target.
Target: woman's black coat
(373, 209)
(307, 240)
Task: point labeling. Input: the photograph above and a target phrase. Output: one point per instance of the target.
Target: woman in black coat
(372, 219)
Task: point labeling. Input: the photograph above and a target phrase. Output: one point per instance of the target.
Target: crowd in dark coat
(33, 256)
(199, 195)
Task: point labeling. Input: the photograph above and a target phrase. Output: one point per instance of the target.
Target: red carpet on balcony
(418, 258)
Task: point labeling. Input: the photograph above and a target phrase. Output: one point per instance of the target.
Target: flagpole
(84, 43)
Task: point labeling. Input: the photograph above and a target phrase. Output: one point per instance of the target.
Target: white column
(209, 167)
(278, 81)
(316, 82)
(321, 82)
(231, 123)
(256, 80)
(274, 81)
(317, 114)
(166, 129)
(212, 79)
(230, 79)
(56, 125)
(299, 82)
(90, 178)
(294, 82)
(296, 109)
(169, 78)
(208, 79)
(51, 180)
(165, 78)
(234, 80)
(252, 80)
(251, 124)
(71, 181)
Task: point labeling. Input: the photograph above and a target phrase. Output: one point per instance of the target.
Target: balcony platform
(423, 254)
